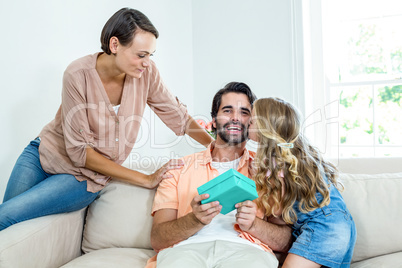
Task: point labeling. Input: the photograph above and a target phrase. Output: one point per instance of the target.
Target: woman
(297, 186)
(96, 126)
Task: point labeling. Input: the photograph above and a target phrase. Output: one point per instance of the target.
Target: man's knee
(180, 257)
(251, 258)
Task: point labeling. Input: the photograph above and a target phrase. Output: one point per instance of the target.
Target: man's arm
(168, 230)
(275, 233)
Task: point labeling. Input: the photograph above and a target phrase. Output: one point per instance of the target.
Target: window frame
(322, 118)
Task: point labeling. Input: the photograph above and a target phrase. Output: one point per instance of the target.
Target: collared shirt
(178, 192)
(87, 118)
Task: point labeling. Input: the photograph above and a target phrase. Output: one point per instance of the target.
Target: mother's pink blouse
(86, 118)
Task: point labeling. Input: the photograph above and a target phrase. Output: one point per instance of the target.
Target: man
(192, 234)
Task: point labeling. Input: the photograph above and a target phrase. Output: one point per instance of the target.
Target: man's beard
(229, 139)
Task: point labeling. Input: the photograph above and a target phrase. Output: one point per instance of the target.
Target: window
(353, 55)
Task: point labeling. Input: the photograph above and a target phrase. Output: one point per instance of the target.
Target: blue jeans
(32, 193)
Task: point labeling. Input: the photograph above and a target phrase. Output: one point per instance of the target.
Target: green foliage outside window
(388, 97)
(392, 94)
(369, 58)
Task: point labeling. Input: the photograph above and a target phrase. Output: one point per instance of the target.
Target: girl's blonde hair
(303, 167)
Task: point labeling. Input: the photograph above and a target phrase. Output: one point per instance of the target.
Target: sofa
(114, 231)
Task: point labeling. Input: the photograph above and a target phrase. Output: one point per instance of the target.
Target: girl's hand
(161, 173)
(246, 214)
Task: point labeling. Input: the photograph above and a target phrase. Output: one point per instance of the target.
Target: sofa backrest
(119, 217)
(374, 200)
(373, 165)
(372, 187)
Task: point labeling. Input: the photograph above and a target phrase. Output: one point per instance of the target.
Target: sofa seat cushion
(390, 260)
(120, 217)
(48, 241)
(375, 204)
(113, 257)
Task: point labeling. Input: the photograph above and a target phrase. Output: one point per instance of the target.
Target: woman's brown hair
(123, 25)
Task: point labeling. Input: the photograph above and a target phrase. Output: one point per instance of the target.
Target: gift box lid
(229, 189)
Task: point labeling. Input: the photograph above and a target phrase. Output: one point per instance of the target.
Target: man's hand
(168, 229)
(161, 173)
(204, 213)
(246, 213)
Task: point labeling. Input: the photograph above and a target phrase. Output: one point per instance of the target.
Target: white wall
(202, 46)
(246, 41)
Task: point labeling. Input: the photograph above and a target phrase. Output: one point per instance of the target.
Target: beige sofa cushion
(375, 202)
(48, 241)
(120, 217)
(113, 257)
(385, 261)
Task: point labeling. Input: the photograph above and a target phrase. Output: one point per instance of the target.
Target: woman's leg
(57, 194)
(26, 173)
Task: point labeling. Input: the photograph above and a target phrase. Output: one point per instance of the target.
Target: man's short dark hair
(235, 87)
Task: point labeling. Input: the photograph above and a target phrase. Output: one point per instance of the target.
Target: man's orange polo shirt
(178, 192)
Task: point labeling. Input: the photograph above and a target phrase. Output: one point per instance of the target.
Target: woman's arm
(100, 164)
(198, 133)
(171, 111)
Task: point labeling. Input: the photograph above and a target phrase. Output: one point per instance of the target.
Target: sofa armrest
(49, 241)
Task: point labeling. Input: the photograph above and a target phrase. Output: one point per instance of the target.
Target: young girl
(295, 184)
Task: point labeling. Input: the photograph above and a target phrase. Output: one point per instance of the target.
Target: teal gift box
(229, 188)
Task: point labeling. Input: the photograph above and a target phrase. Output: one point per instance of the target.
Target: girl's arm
(275, 233)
